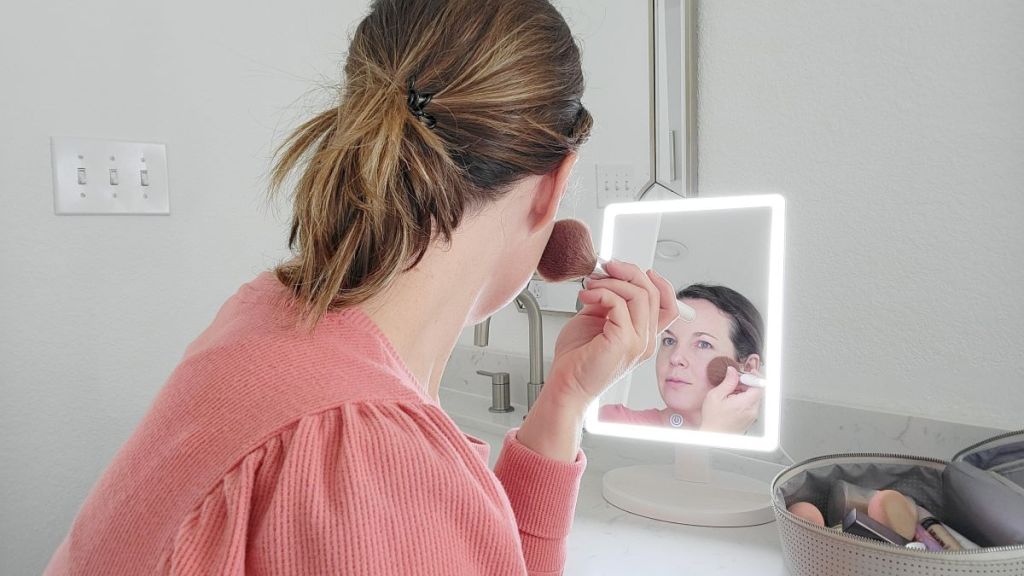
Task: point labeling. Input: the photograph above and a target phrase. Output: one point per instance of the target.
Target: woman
(301, 432)
(727, 324)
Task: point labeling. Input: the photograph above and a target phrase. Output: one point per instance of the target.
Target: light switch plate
(109, 177)
(615, 183)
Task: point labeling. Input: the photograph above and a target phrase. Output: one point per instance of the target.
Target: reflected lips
(676, 382)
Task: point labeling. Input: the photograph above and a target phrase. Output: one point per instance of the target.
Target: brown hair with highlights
(376, 184)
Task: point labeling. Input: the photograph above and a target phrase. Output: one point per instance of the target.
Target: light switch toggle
(114, 180)
(81, 177)
(144, 177)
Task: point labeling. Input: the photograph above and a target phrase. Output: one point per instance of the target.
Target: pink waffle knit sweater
(274, 451)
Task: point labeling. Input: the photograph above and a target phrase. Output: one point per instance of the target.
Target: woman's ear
(549, 192)
(752, 364)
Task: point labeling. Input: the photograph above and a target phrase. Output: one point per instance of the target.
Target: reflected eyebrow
(671, 332)
(705, 334)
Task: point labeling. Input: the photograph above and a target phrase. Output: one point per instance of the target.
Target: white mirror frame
(773, 324)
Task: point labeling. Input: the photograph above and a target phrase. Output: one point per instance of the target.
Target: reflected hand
(730, 407)
(616, 330)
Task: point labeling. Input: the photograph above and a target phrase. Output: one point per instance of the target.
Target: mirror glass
(723, 257)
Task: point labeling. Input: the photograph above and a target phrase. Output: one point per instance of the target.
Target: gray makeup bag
(980, 494)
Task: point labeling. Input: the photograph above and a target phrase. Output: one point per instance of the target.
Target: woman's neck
(424, 309)
(422, 314)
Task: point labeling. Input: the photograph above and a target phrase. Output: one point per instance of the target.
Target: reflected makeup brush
(718, 366)
(570, 255)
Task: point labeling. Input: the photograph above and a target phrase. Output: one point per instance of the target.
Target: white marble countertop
(607, 540)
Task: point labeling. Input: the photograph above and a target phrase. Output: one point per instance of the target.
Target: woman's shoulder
(256, 357)
(176, 503)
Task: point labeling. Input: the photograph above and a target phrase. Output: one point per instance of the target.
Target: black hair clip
(417, 102)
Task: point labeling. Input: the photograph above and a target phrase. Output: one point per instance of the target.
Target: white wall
(896, 131)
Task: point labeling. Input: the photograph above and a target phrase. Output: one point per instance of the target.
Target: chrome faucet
(524, 301)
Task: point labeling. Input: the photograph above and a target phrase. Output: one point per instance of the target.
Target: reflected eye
(704, 345)
(668, 341)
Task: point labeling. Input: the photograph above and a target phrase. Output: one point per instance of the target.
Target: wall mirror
(673, 107)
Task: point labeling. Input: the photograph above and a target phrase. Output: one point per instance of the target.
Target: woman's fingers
(631, 273)
(636, 301)
(667, 309)
(752, 397)
(617, 311)
(649, 328)
(737, 394)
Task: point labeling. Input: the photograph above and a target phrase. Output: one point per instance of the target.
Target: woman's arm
(541, 464)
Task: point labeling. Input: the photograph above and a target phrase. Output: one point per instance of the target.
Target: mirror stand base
(726, 499)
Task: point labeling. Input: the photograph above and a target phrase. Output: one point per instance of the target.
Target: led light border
(773, 341)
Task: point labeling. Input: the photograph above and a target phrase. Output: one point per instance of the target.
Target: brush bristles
(717, 368)
(569, 254)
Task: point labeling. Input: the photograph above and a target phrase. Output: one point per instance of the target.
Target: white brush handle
(686, 313)
(752, 380)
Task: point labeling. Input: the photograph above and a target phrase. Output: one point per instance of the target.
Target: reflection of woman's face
(685, 350)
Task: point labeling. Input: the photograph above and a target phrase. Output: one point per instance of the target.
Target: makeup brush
(570, 255)
(718, 366)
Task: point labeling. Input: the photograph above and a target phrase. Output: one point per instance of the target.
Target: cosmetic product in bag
(844, 497)
(947, 537)
(895, 511)
(856, 522)
(923, 537)
(811, 550)
(983, 505)
(939, 532)
(808, 512)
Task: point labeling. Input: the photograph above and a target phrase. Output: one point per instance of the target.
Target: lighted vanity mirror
(725, 255)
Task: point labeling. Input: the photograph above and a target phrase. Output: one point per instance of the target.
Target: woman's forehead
(709, 320)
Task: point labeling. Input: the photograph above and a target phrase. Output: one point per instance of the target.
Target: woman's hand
(730, 407)
(616, 330)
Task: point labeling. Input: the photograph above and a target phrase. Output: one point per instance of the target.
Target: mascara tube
(939, 532)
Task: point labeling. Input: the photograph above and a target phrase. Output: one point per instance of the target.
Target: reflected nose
(678, 358)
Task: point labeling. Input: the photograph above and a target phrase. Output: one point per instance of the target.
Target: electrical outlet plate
(109, 177)
(615, 183)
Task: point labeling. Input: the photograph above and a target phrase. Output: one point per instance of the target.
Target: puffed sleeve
(376, 489)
